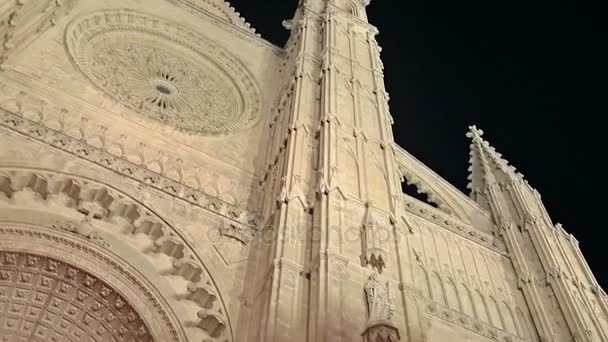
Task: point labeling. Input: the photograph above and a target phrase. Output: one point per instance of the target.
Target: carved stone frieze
(121, 164)
(164, 71)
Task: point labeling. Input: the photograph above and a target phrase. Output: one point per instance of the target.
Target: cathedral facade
(168, 175)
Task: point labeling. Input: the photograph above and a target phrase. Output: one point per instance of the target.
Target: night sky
(533, 77)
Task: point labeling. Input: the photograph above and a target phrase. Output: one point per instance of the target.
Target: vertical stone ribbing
(514, 204)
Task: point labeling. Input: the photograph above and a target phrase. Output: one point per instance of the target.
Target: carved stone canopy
(44, 299)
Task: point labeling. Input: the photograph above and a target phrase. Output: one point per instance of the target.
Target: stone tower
(166, 174)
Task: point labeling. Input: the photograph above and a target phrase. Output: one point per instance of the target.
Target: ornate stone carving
(379, 301)
(64, 301)
(240, 233)
(381, 332)
(164, 71)
(83, 228)
(21, 187)
(380, 312)
(121, 164)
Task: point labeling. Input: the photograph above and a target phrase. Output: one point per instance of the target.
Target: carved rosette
(164, 71)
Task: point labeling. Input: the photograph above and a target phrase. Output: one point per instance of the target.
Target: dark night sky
(533, 77)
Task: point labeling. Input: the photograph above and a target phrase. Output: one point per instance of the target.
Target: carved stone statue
(379, 302)
(381, 311)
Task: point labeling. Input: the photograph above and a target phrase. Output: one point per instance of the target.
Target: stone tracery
(164, 72)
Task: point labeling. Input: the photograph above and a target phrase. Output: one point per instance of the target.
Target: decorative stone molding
(120, 164)
(100, 205)
(238, 232)
(83, 228)
(164, 71)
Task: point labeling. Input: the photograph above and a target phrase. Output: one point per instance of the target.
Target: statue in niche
(379, 301)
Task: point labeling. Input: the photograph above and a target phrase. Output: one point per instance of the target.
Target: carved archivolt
(104, 210)
(62, 289)
(164, 71)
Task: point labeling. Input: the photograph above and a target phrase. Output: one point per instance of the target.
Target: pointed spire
(486, 165)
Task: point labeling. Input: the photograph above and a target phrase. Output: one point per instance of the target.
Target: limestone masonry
(168, 175)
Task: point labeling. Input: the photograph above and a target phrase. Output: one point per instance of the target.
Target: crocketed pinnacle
(487, 166)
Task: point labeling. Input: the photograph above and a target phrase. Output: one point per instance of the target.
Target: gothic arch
(347, 6)
(422, 281)
(507, 315)
(466, 300)
(480, 306)
(495, 317)
(452, 295)
(56, 286)
(437, 288)
(114, 222)
(524, 324)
